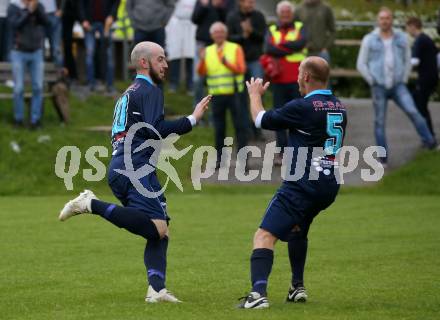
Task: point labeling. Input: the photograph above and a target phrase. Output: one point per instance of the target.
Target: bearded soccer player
(142, 103)
(316, 121)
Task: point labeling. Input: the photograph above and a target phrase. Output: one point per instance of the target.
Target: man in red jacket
(285, 45)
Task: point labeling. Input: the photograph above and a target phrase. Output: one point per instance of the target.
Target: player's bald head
(149, 59)
(144, 50)
(317, 68)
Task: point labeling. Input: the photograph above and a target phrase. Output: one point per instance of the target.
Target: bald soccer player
(147, 217)
(316, 121)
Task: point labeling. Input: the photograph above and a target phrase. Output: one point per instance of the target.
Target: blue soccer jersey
(143, 102)
(316, 121)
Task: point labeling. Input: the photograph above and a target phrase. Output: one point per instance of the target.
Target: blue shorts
(124, 190)
(290, 208)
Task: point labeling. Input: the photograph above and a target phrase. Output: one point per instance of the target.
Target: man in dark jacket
(97, 16)
(27, 20)
(4, 31)
(149, 18)
(247, 27)
(424, 58)
(70, 15)
(438, 21)
(205, 13)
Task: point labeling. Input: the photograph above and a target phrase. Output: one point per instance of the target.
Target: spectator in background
(69, 16)
(28, 21)
(438, 21)
(53, 29)
(4, 30)
(97, 16)
(247, 27)
(205, 13)
(318, 17)
(285, 45)
(230, 5)
(424, 58)
(224, 66)
(123, 29)
(181, 43)
(149, 18)
(384, 62)
(438, 32)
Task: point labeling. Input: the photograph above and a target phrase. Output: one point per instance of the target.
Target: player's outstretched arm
(201, 107)
(256, 89)
(180, 126)
(278, 119)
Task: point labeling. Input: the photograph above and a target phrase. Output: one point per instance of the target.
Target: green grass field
(371, 257)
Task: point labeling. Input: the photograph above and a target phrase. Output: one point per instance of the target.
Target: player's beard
(154, 75)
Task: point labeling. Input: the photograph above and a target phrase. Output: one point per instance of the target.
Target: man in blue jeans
(384, 62)
(97, 16)
(27, 20)
(53, 30)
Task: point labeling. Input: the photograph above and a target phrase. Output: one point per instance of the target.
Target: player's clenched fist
(201, 107)
(256, 86)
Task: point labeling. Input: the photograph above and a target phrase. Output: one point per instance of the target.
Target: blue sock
(155, 259)
(297, 255)
(132, 219)
(261, 266)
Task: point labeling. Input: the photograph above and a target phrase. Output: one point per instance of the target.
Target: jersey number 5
(336, 133)
(120, 115)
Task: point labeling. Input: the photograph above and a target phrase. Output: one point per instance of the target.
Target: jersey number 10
(120, 115)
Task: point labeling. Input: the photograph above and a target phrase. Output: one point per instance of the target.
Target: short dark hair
(414, 21)
(319, 70)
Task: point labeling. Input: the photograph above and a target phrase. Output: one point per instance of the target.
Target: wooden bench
(353, 73)
(345, 73)
(53, 88)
